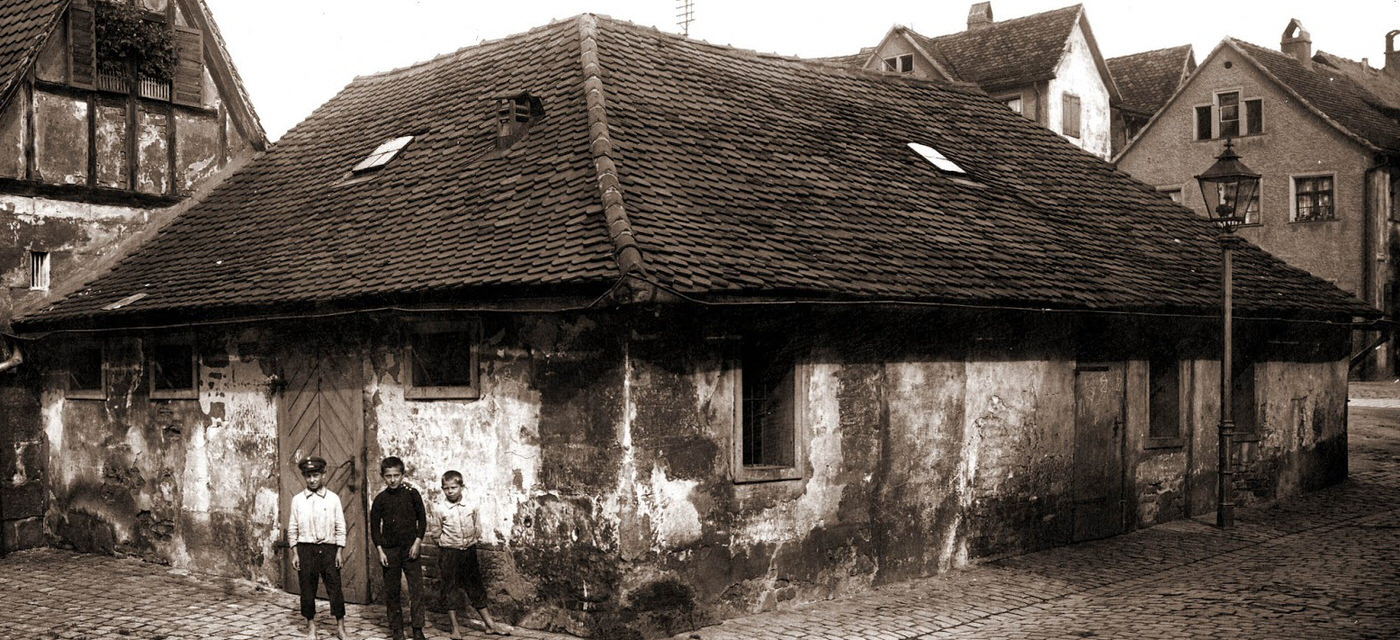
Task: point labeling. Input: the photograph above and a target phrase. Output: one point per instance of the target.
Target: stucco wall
(1294, 142)
(599, 454)
(1077, 74)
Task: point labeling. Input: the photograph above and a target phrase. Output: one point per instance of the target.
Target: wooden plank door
(321, 413)
(1098, 451)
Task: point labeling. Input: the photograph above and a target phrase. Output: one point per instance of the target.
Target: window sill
(1164, 443)
(175, 394)
(442, 393)
(1311, 221)
(766, 473)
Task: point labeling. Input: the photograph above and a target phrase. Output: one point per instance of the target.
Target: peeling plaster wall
(189, 483)
(61, 139)
(197, 148)
(599, 455)
(14, 124)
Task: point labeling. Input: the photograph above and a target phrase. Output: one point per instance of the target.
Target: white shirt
(317, 518)
(459, 528)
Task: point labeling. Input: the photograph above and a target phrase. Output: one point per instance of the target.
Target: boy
(457, 536)
(397, 522)
(316, 531)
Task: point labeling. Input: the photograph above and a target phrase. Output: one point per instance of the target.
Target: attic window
(514, 115)
(938, 159)
(899, 64)
(382, 155)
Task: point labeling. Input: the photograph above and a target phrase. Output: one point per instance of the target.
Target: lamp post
(1227, 185)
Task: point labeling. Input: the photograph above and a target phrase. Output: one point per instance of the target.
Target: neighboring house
(1323, 131)
(1045, 66)
(1146, 80)
(95, 151)
(707, 331)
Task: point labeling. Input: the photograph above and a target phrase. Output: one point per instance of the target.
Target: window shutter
(1203, 123)
(189, 67)
(82, 52)
(1254, 116)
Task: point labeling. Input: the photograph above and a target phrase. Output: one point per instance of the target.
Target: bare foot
(340, 628)
(311, 629)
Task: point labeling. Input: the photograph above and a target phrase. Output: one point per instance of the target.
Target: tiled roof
(1384, 86)
(738, 176)
(1146, 80)
(1009, 52)
(1336, 94)
(854, 60)
(24, 26)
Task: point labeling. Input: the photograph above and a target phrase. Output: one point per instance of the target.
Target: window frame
(1182, 402)
(40, 270)
(1242, 116)
(1218, 121)
(896, 63)
(1293, 196)
(1169, 189)
(100, 393)
(471, 391)
(149, 347)
(754, 474)
(1078, 112)
(1020, 101)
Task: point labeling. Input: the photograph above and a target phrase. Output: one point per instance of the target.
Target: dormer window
(899, 64)
(514, 115)
(937, 159)
(381, 155)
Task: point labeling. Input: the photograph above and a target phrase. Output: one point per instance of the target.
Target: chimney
(1297, 43)
(980, 15)
(1392, 57)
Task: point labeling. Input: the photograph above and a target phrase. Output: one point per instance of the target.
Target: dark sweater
(397, 517)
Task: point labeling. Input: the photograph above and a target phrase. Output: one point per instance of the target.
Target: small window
(1251, 211)
(1228, 105)
(1013, 103)
(1164, 401)
(769, 421)
(382, 155)
(84, 372)
(1171, 192)
(1254, 117)
(39, 270)
(1203, 122)
(1313, 199)
(442, 361)
(899, 64)
(172, 371)
(1069, 116)
(936, 158)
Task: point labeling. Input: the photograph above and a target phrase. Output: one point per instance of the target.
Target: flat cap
(312, 464)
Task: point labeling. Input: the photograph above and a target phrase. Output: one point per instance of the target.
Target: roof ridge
(460, 51)
(1077, 7)
(625, 249)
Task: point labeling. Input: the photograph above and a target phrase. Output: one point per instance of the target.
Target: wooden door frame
(1122, 444)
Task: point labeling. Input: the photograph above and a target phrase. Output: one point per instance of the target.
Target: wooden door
(1098, 451)
(321, 413)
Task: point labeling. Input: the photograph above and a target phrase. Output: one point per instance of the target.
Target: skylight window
(938, 159)
(382, 154)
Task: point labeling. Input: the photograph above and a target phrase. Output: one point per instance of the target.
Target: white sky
(296, 54)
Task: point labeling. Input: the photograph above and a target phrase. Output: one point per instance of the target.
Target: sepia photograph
(699, 320)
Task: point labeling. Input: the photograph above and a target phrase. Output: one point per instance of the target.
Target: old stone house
(1046, 66)
(1323, 132)
(707, 331)
(1146, 80)
(96, 149)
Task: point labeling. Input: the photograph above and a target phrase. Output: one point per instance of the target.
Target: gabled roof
(709, 173)
(1149, 78)
(1333, 94)
(1012, 52)
(26, 25)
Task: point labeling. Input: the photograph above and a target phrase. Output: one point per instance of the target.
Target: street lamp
(1226, 186)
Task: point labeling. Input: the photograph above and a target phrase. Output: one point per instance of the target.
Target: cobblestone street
(1323, 565)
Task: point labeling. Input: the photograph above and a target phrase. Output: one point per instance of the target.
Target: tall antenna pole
(685, 14)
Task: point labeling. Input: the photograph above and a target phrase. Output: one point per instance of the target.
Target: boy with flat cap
(316, 531)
